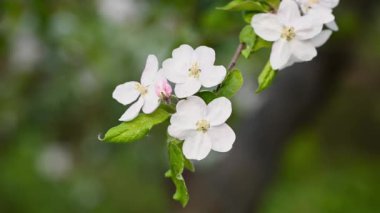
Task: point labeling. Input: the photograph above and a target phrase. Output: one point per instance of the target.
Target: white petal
(333, 26)
(193, 106)
(218, 111)
(179, 132)
(222, 138)
(212, 76)
(205, 56)
(133, 111)
(183, 53)
(126, 93)
(292, 60)
(303, 50)
(288, 12)
(307, 27)
(324, 15)
(329, 3)
(175, 71)
(197, 146)
(321, 38)
(150, 71)
(280, 54)
(267, 26)
(189, 88)
(151, 100)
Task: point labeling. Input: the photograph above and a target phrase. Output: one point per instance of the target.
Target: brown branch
(236, 56)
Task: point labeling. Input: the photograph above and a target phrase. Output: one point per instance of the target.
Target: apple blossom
(290, 32)
(191, 69)
(144, 92)
(317, 41)
(322, 9)
(162, 86)
(202, 127)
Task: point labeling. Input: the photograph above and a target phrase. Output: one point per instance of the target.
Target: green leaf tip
(241, 5)
(266, 77)
(136, 129)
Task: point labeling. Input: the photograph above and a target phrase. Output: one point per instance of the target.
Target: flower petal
(175, 71)
(322, 14)
(321, 38)
(212, 76)
(218, 111)
(333, 26)
(288, 12)
(180, 133)
(150, 71)
(267, 26)
(197, 146)
(133, 111)
(280, 54)
(193, 106)
(307, 27)
(205, 56)
(303, 50)
(183, 53)
(189, 88)
(126, 93)
(151, 101)
(329, 3)
(222, 138)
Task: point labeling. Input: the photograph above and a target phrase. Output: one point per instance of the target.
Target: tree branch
(236, 56)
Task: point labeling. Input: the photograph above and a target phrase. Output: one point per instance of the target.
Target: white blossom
(144, 92)
(191, 69)
(322, 9)
(317, 41)
(290, 32)
(202, 127)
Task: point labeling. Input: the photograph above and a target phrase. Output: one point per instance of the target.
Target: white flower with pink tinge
(202, 127)
(145, 92)
(191, 69)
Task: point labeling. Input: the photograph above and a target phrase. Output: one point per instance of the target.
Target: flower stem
(235, 57)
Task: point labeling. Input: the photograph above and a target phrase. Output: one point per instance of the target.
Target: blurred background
(308, 144)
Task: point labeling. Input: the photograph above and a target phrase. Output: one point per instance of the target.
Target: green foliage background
(60, 61)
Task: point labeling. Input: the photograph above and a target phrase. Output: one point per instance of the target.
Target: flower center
(141, 89)
(203, 126)
(194, 71)
(288, 33)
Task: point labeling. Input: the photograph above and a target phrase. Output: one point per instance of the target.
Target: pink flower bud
(163, 89)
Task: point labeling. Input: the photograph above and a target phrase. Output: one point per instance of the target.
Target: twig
(236, 56)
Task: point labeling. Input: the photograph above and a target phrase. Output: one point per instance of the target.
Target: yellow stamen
(203, 126)
(288, 33)
(194, 71)
(141, 89)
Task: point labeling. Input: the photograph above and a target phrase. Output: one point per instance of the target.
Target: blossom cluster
(202, 127)
(296, 30)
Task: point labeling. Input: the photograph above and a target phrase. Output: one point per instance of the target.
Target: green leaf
(189, 165)
(231, 85)
(266, 77)
(207, 96)
(260, 44)
(177, 163)
(239, 5)
(136, 129)
(181, 194)
(176, 158)
(248, 37)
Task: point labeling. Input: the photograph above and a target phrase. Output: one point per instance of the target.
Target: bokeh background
(308, 144)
